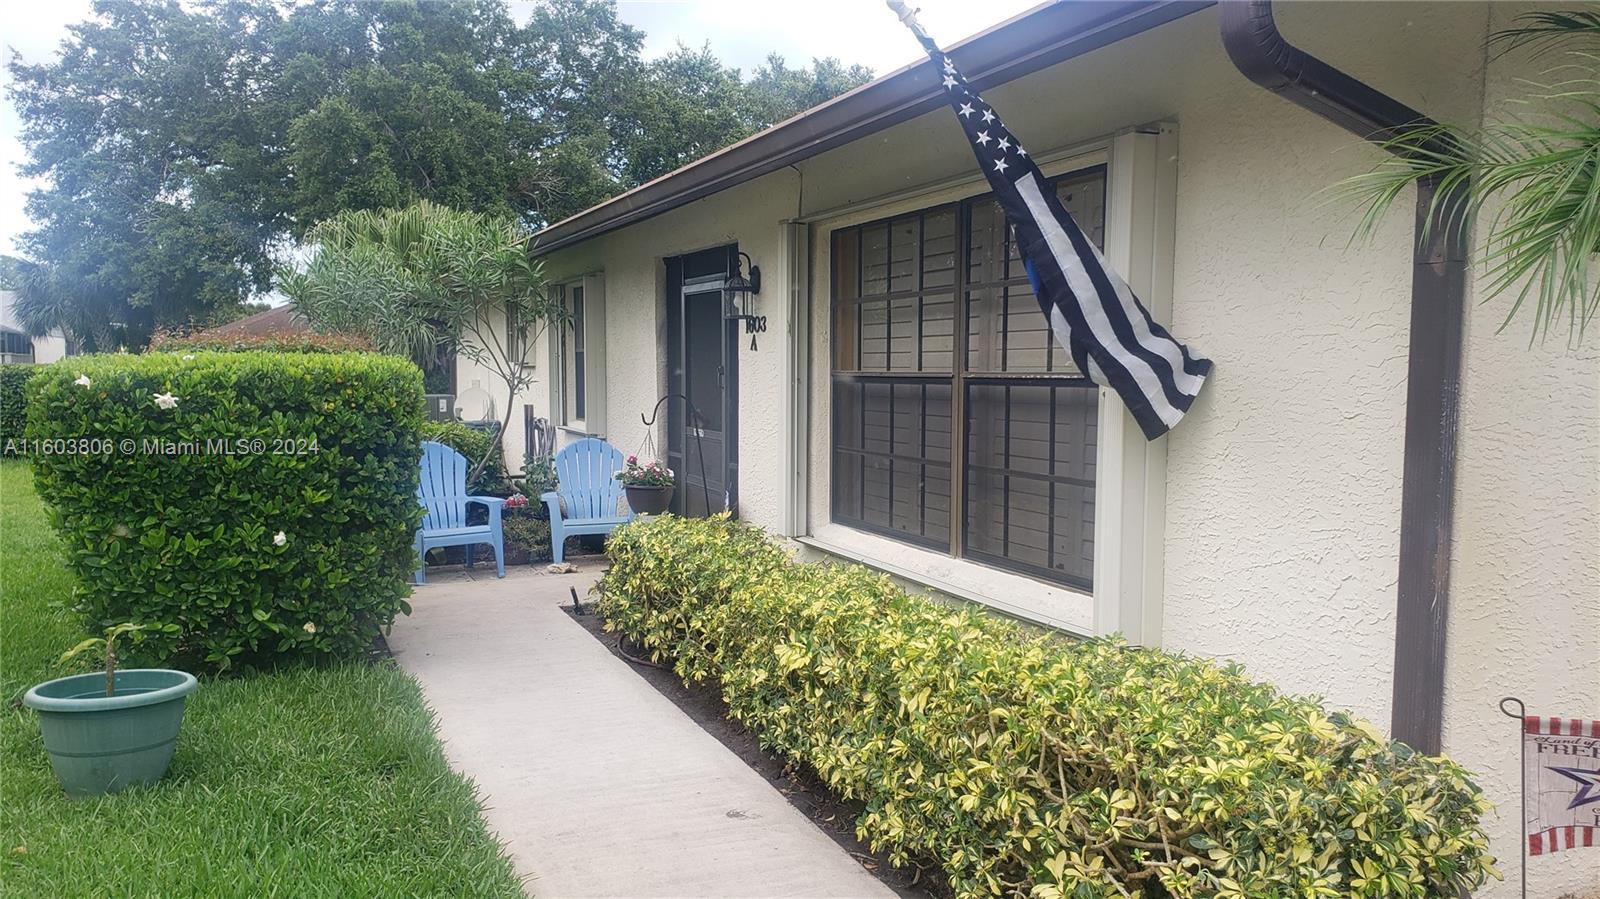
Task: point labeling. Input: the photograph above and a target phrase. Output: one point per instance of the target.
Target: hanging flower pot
(648, 486)
(648, 500)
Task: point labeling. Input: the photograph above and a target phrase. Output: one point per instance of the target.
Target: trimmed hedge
(13, 402)
(1025, 765)
(172, 515)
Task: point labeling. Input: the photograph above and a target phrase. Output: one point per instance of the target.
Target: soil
(798, 783)
(379, 650)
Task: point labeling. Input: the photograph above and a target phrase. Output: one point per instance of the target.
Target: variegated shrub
(1025, 765)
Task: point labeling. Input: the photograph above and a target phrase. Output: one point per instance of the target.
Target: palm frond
(1533, 189)
(1549, 29)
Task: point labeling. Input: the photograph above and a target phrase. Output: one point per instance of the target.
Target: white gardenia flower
(280, 539)
(83, 381)
(166, 400)
(310, 628)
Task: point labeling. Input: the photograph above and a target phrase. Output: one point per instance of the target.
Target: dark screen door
(702, 381)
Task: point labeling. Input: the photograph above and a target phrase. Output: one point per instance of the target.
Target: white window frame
(592, 422)
(1131, 495)
(1130, 489)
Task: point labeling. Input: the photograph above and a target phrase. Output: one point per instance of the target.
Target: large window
(15, 346)
(958, 424)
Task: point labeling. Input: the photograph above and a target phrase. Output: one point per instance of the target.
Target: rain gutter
(1433, 383)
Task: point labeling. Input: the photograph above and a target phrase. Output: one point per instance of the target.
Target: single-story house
(18, 347)
(1379, 497)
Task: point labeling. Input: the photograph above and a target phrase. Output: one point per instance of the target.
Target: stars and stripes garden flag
(1092, 312)
(1561, 780)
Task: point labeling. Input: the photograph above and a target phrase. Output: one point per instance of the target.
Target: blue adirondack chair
(443, 493)
(586, 485)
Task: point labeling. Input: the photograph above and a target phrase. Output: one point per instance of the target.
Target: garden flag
(1561, 768)
(1092, 312)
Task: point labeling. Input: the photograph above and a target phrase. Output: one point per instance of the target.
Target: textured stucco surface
(635, 276)
(1525, 572)
(1282, 530)
(481, 392)
(1283, 485)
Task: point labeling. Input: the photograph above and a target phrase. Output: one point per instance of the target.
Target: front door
(702, 430)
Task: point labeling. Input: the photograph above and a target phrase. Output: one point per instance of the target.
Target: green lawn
(306, 783)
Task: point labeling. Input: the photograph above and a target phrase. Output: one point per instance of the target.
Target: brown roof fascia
(1041, 37)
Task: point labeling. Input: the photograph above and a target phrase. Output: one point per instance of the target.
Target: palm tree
(1537, 182)
(91, 316)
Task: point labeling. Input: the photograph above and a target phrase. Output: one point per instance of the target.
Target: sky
(740, 32)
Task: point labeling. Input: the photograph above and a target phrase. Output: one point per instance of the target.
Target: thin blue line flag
(1092, 312)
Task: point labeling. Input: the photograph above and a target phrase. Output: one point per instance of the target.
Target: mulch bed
(798, 783)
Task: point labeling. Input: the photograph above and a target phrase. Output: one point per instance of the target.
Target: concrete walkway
(597, 784)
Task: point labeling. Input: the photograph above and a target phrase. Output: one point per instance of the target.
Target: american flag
(1093, 313)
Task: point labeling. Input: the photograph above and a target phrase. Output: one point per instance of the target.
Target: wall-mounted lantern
(738, 298)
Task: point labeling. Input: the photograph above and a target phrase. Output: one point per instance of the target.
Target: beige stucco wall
(49, 348)
(1283, 486)
(1284, 482)
(481, 393)
(1281, 529)
(1525, 576)
(632, 260)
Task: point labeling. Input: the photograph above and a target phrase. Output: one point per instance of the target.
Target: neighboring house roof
(1041, 37)
(277, 320)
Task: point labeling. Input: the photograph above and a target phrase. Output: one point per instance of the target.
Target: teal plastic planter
(100, 744)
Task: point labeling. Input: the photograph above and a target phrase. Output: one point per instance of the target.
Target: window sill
(1010, 594)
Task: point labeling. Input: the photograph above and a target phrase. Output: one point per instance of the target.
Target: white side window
(577, 378)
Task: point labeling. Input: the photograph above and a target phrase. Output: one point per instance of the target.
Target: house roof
(1043, 36)
(277, 320)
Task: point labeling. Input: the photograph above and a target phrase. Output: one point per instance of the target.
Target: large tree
(687, 104)
(146, 155)
(187, 148)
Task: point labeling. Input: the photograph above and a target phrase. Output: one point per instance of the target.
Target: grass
(320, 782)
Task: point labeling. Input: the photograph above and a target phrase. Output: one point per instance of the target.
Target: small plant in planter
(538, 478)
(106, 731)
(649, 486)
(527, 535)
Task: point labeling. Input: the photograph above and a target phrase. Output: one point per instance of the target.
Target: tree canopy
(187, 148)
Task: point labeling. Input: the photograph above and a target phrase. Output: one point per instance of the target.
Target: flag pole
(1521, 714)
(908, 18)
